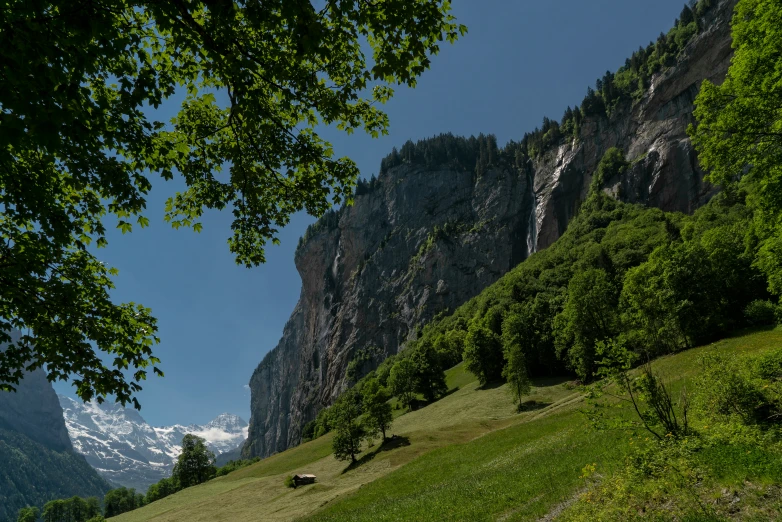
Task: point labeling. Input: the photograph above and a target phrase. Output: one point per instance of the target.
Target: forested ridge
(31, 474)
(478, 153)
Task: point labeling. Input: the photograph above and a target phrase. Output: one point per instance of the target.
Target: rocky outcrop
(33, 410)
(425, 239)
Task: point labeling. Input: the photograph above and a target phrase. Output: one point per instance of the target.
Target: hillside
(470, 456)
(37, 461)
(447, 216)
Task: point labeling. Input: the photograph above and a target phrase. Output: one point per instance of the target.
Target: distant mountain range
(127, 451)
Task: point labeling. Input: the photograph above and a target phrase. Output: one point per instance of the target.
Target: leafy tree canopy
(349, 431)
(196, 464)
(739, 124)
(377, 410)
(402, 380)
(739, 128)
(78, 143)
(28, 514)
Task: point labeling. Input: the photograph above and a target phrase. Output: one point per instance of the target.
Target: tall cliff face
(34, 410)
(424, 240)
(37, 461)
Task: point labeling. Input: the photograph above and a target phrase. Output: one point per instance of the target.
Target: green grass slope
(469, 456)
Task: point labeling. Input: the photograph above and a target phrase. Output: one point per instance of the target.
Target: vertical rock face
(424, 240)
(34, 411)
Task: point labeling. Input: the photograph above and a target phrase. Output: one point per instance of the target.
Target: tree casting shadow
(391, 443)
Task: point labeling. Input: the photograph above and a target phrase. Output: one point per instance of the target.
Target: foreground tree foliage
(517, 334)
(483, 353)
(75, 509)
(79, 142)
(590, 315)
(401, 380)
(739, 125)
(429, 375)
(162, 488)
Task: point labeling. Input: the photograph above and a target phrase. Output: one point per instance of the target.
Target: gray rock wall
(34, 410)
(384, 271)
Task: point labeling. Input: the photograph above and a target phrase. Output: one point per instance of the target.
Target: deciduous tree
(402, 381)
(429, 375)
(196, 464)
(517, 335)
(483, 353)
(739, 123)
(377, 411)
(28, 514)
(349, 433)
(79, 140)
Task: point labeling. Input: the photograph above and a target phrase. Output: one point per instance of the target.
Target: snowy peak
(221, 434)
(125, 449)
(228, 422)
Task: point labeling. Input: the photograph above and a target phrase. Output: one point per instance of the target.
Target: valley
(574, 321)
(469, 456)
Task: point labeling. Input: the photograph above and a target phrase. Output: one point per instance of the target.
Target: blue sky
(520, 61)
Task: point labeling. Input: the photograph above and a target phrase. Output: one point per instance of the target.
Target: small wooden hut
(301, 480)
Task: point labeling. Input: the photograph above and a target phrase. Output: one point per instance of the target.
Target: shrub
(760, 313)
(289, 483)
(730, 388)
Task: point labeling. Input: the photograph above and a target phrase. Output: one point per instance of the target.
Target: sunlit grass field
(469, 456)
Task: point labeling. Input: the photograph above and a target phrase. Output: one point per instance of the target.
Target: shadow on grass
(748, 331)
(392, 443)
(491, 385)
(545, 382)
(449, 392)
(531, 406)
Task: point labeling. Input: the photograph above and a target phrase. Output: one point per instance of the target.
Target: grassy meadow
(469, 456)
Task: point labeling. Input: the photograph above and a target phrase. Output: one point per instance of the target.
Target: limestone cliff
(426, 239)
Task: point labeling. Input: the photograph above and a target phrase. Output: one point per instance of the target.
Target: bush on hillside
(760, 313)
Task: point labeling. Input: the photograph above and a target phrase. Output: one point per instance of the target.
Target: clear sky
(520, 61)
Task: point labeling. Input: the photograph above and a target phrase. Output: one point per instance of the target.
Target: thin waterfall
(532, 222)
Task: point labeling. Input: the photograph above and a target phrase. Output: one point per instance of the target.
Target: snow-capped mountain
(126, 450)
